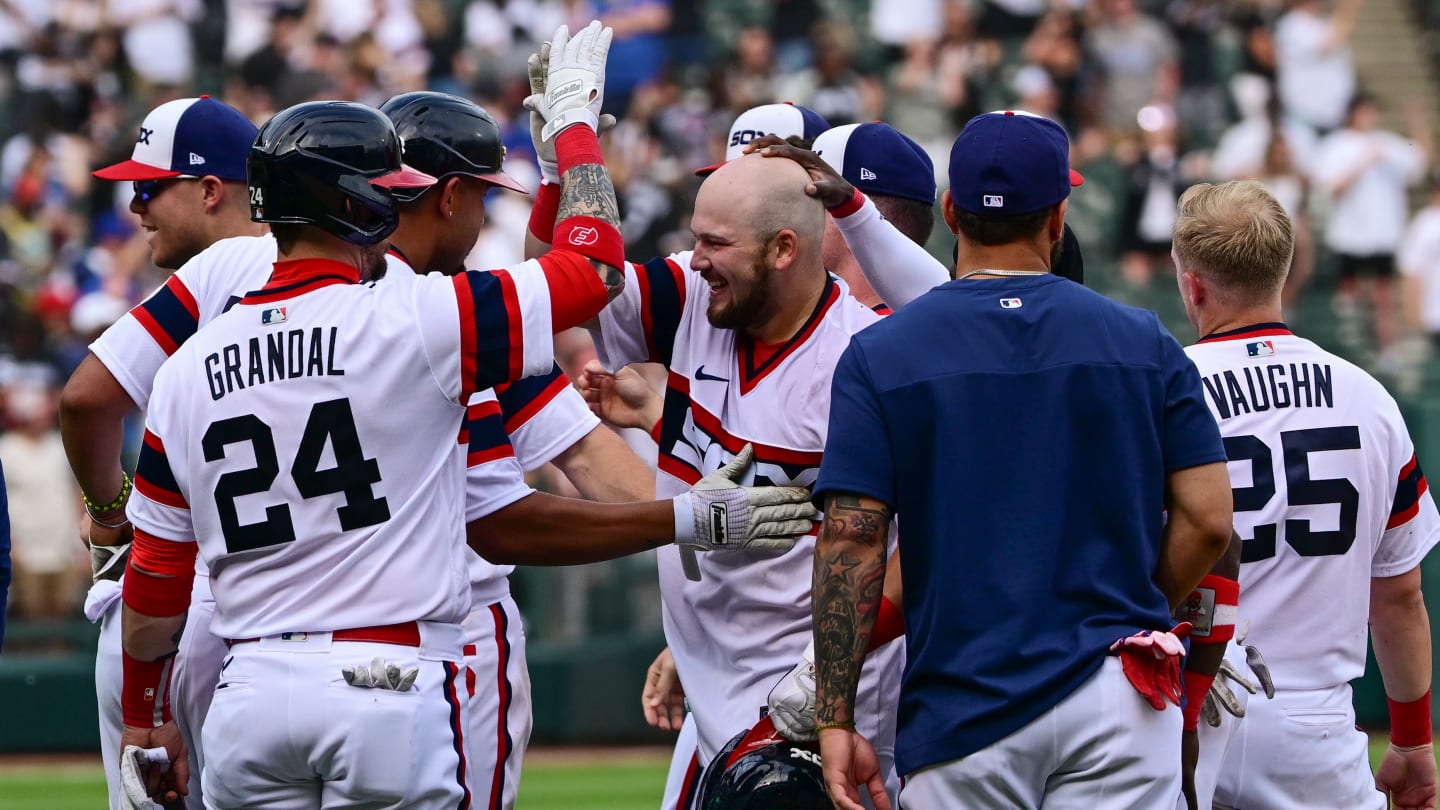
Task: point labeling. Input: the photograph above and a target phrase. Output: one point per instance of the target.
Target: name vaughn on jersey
(278, 356)
(1277, 385)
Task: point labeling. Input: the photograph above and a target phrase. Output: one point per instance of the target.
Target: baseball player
(1045, 387)
(188, 172)
(1336, 518)
(314, 171)
(544, 417)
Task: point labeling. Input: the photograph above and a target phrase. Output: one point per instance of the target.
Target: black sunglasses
(148, 190)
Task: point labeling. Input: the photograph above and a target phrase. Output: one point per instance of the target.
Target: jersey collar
(294, 278)
(1254, 330)
(751, 371)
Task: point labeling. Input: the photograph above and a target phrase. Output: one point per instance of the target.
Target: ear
(1055, 228)
(948, 212)
(212, 193)
(784, 247)
(449, 196)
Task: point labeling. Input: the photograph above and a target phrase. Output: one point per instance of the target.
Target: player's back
(316, 444)
(1327, 495)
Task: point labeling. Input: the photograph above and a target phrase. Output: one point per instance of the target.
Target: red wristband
(1196, 688)
(850, 206)
(1211, 610)
(889, 625)
(576, 146)
(576, 292)
(543, 211)
(592, 238)
(1410, 722)
(145, 692)
(161, 586)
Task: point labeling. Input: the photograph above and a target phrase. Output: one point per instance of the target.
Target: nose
(137, 206)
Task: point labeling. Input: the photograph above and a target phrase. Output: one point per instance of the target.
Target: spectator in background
(1314, 69)
(157, 38)
(637, 54)
(834, 88)
(1154, 184)
(1054, 46)
(1009, 20)
(1419, 261)
(750, 78)
(46, 517)
(1366, 171)
(1137, 59)
(1197, 25)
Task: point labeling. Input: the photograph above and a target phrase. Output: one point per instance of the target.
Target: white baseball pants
(500, 711)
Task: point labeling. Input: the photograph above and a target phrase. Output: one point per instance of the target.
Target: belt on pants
(406, 634)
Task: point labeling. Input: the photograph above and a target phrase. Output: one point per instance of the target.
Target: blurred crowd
(1156, 94)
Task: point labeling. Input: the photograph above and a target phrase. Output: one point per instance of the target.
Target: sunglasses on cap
(148, 190)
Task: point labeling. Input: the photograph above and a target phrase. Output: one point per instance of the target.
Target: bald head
(765, 195)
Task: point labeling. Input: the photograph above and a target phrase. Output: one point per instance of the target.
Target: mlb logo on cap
(1010, 162)
(781, 120)
(193, 137)
(879, 159)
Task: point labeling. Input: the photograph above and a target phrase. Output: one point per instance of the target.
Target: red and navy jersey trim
(170, 315)
(457, 732)
(1412, 486)
(522, 399)
(153, 477)
(484, 434)
(1253, 331)
(662, 302)
(491, 340)
(690, 788)
(752, 370)
(292, 279)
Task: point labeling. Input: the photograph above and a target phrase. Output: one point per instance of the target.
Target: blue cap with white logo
(1010, 162)
(879, 159)
(188, 137)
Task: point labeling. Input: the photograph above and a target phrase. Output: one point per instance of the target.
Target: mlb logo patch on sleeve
(272, 315)
(1010, 303)
(1260, 348)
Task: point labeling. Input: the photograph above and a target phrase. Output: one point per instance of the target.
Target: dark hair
(1001, 229)
(913, 218)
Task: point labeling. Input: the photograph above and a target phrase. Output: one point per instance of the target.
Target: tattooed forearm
(849, 575)
(586, 191)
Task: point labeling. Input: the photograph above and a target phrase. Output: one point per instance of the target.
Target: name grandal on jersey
(279, 356)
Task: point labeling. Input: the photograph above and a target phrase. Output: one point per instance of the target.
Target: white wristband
(549, 171)
(684, 518)
(564, 120)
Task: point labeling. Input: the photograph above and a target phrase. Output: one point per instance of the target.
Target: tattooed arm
(586, 191)
(849, 575)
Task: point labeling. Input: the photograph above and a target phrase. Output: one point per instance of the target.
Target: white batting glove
(133, 760)
(792, 700)
(574, 81)
(381, 674)
(718, 514)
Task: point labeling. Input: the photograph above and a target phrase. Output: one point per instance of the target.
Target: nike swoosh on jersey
(701, 375)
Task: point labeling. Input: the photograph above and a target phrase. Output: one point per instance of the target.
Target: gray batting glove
(133, 760)
(381, 674)
(792, 700)
(718, 514)
(1221, 696)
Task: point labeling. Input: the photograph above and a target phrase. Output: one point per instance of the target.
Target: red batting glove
(1151, 660)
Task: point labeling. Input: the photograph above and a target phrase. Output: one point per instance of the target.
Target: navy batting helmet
(761, 770)
(330, 164)
(447, 135)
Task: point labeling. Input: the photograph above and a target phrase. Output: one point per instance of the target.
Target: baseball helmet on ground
(331, 164)
(447, 135)
(761, 770)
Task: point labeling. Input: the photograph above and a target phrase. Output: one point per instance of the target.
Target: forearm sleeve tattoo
(849, 576)
(587, 191)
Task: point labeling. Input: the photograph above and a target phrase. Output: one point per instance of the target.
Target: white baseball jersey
(734, 633)
(541, 416)
(1328, 493)
(307, 439)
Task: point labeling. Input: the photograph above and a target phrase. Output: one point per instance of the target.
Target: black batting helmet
(761, 770)
(331, 164)
(447, 135)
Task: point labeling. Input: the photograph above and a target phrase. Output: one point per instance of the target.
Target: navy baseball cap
(1010, 162)
(190, 137)
(783, 120)
(879, 159)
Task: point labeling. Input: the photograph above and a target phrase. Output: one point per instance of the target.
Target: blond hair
(1235, 234)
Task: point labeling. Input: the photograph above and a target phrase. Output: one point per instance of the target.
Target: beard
(372, 261)
(746, 309)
